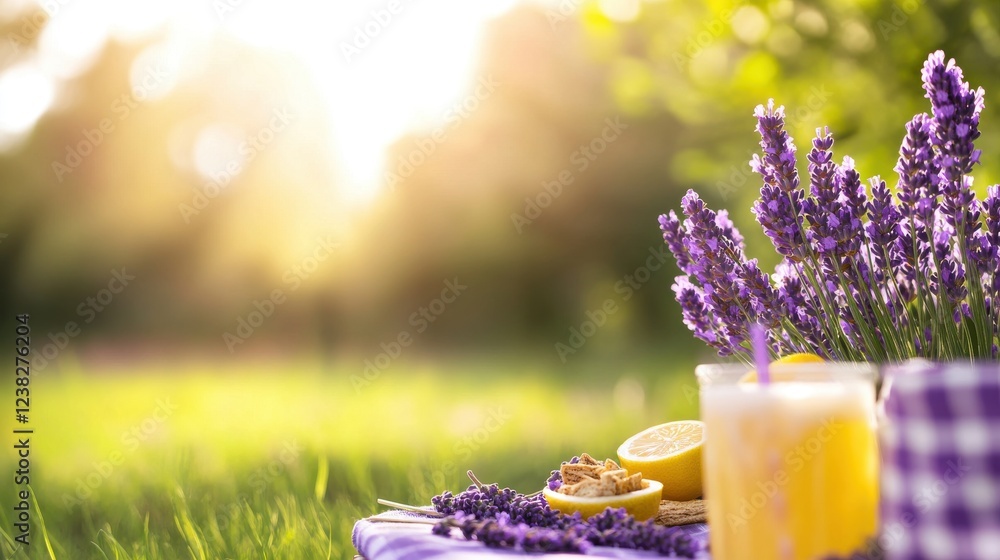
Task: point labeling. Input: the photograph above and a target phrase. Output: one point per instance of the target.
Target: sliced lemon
(670, 454)
(798, 358)
(642, 504)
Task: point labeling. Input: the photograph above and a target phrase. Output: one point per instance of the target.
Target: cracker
(588, 487)
(571, 474)
(681, 513)
(607, 487)
(613, 476)
(629, 484)
(589, 478)
(586, 459)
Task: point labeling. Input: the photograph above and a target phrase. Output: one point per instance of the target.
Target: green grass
(278, 462)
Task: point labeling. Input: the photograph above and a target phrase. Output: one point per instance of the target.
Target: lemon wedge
(642, 504)
(670, 454)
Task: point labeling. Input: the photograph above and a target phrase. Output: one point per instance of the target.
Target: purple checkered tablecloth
(399, 541)
(940, 445)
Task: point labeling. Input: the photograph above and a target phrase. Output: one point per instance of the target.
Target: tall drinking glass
(791, 467)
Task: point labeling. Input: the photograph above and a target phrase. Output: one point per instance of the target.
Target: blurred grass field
(278, 461)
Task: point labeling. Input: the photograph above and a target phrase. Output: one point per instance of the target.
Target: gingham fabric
(940, 445)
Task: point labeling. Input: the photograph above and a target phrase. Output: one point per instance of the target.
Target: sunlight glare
(383, 74)
(155, 71)
(71, 40)
(25, 94)
(620, 10)
(216, 150)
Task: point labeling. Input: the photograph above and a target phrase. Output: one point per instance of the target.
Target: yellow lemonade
(790, 468)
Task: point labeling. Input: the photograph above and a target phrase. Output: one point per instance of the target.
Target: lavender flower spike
(853, 201)
(918, 173)
(883, 219)
(780, 197)
(822, 211)
(673, 236)
(989, 252)
(713, 264)
(694, 311)
(955, 109)
(778, 164)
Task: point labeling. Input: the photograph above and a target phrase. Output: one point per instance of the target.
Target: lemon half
(670, 454)
(642, 504)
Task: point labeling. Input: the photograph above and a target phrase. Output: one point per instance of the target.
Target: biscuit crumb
(681, 513)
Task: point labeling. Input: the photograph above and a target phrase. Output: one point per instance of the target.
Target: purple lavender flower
(955, 127)
(956, 110)
(776, 212)
(857, 274)
(883, 218)
(763, 297)
(822, 210)
(778, 164)
(834, 213)
(729, 230)
(780, 197)
(713, 264)
(952, 272)
(918, 172)
(695, 312)
(991, 209)
(853, 200)
(881, 232)
(673, 235)
(987, 253)
(914, 253)
(799, 306)
(863, 260)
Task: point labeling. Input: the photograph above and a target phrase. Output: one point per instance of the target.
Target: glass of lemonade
(790, 468)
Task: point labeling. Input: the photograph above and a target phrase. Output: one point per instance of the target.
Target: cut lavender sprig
(505, 519)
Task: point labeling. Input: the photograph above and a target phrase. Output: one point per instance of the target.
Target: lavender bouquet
(865, 275)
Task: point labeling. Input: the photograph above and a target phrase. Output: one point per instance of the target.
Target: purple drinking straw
(758, 338)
